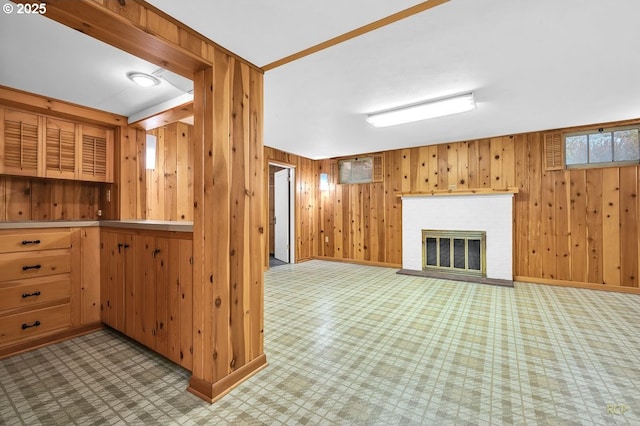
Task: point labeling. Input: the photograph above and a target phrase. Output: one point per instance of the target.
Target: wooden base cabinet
(45, 292)
(146, 289)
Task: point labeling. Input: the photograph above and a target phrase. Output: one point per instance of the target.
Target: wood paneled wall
(228, 198)
(166, 192)
(48, 199)
(306, 180)
(577, 227)
(169, 187)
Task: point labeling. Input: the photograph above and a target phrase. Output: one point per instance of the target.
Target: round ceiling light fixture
(142, 79)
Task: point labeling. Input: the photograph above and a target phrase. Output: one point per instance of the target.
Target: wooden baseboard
(211, 392)
(20, 347)
(359, 262)
(577, 284)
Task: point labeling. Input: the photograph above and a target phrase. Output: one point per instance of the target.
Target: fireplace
(489, 213)
(454, 252)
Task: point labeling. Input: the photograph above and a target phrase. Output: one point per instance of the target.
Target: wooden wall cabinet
(146, 289)
(43, 292)
(39, 146)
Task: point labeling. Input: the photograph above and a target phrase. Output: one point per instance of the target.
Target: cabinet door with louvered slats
(96, 154)
(60, 149)
(20, 143)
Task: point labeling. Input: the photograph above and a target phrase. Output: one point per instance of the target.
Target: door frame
(292, 207)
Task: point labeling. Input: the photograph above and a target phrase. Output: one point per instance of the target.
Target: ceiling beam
(28, 101)
(357, 32)
(92, 19)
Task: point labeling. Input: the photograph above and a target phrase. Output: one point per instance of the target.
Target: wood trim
(481, 191)
(56, 108)
(165, 118)
(25, 346)
(93, 19)
(576, 284)
(421, 7)
(211, 392)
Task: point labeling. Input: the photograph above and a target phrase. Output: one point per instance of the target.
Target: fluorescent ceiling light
(142, 79)
(423, 110)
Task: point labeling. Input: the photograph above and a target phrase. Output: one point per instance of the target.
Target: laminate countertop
(154, 225)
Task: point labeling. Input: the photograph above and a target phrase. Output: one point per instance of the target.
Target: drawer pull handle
(26, 268)
(26, 242)
(35, 293)
(35, 324)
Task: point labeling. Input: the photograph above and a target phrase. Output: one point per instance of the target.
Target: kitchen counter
(154, 225)
(30, 224)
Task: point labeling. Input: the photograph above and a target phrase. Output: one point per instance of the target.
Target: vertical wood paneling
(594, 226)
(462, 180)
(240, 203)
(3, 198)
(534, 172)
(562, 233)
(443, 167)
(432, 153)
(186, 301)
(170, 172)
(611, 226)
(548, 228)
(496, 164)
(521, 204)
(578, 217)
(630, 227)
(46, 199)
(484, 163)
(258, 218)
(184, 173)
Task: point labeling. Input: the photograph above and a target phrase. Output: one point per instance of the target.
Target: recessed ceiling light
(423, 110)
(142, 79)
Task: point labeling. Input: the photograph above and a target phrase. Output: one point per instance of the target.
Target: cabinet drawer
(33, 323)
(34, 239)
(16, 266)
(34, 291)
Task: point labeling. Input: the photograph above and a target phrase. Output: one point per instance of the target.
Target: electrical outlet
(326, 239)
(453, 186)
(108, 195)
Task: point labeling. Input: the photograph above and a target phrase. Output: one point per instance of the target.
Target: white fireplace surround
(491, 213)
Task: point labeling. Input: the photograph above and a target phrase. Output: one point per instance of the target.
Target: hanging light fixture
(423, 110)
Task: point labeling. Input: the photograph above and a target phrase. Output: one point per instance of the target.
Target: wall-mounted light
(423, 110)
(142, 79)
(324, 182)
(150, 158)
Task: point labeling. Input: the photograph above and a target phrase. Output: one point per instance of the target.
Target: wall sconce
(150, 158)
(324, 182)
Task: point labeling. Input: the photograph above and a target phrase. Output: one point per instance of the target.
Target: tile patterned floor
(350, 344)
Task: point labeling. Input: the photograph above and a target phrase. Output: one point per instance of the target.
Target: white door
(281, 215)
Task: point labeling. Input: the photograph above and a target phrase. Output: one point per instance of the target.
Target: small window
(361, 170)
(602, 147)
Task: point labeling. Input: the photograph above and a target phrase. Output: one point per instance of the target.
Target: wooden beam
(167, 117)
(356, 33)
(91, 18)
(43, 105)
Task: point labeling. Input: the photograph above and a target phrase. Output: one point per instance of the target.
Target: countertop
(154, 225)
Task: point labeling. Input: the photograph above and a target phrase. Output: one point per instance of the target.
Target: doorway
(281, 214)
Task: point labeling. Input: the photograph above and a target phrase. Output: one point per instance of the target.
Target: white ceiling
(532, 65)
